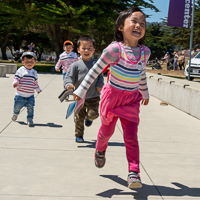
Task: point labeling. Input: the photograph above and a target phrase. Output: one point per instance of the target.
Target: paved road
(45, 163)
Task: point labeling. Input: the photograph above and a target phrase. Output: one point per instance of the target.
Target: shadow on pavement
(93, 143)
(148, 190)
(48, 124)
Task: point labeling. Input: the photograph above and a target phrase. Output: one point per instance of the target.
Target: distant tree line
(161, 38)
(48, 25)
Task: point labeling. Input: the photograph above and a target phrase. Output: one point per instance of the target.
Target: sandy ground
(164, 71)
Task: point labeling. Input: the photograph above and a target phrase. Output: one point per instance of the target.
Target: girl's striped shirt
(27, 82)
(127, 69)
(66, 60)
(126, 74)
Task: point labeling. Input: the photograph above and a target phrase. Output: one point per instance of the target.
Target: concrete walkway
(45, 163)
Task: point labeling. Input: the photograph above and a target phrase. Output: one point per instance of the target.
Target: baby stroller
(17, 54)
(157, 65)
(171, 63)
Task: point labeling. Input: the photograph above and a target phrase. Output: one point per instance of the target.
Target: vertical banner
(179, 13)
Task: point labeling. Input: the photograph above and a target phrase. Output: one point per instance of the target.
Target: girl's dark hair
(120, 21)
(85, 38)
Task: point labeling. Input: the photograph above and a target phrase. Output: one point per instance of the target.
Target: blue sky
(163, 6)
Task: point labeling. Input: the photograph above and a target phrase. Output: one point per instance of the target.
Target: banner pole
(191, 38)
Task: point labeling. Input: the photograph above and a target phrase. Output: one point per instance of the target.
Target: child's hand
(76, 97)
(15, 85)
(144, 102)
(57, 70)
(39, 91)
(99, 89)
(70, 87)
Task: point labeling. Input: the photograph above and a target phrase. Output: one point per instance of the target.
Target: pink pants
(124, 105)
(130, 140)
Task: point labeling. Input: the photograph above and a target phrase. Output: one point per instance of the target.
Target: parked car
(194, 68)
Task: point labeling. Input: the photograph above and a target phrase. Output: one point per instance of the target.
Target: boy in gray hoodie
(75, 75)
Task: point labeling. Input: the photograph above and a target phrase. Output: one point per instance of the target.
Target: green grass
(42, 66)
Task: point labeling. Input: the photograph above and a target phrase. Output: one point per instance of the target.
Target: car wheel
(191, 78)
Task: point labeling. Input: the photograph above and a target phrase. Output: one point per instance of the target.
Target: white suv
(194, 67)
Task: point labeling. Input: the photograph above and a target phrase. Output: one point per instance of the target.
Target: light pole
(191, 38)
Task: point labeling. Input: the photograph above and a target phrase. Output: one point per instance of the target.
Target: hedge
(46, 67)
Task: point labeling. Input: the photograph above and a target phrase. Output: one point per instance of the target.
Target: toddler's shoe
(134, 180)
(14, 117)
(88, 122)
(99, 159)
(30, 122)
(79, 139)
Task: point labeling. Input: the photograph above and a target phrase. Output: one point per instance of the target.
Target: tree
(40, 39)
(6, 29)
(11, 24)
(77, 17)
(4, 38)
(67, 20)
(154, 40)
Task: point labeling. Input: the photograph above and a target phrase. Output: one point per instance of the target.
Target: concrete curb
(8, 69)
(181, 94)
(2, 71)
(11, 68)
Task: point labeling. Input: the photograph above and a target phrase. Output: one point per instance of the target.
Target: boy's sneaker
(14, 117)
(79, 139)
(99, 159)
(134, 180)
(30, 122)
(88, 122)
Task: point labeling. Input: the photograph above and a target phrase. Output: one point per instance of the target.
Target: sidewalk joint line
(5, 127)
(151, 181)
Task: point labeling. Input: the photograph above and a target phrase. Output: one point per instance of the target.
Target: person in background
(175, 60)
(29, 48)
(66, 58)
(183, 61)
(33, 48)
(180, 61)
(167, 59)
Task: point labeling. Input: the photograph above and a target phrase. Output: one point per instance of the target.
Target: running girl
(127, 86)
